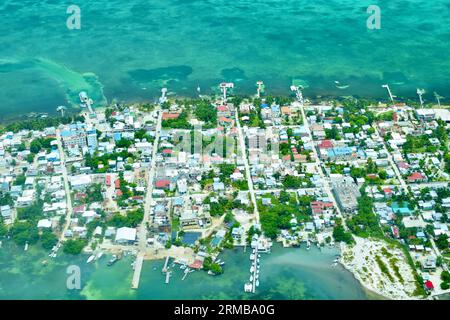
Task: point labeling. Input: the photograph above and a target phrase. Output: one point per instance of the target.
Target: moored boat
(91, 258)
(112, 260)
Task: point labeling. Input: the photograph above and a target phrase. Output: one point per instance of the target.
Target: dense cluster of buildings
(91, 179)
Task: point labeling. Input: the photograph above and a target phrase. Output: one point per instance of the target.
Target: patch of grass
(384, 268)
(386, 253)
(419, 291)
(396, 269)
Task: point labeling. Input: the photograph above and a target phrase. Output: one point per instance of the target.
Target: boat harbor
(254, 272)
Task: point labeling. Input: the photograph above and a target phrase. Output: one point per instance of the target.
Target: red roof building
(395, 232)
(403, 165)
(225, 120)
(388, 192)
(429, 285)
(119, 192)
(162, 184)
(167, 151)
(117, 184)
(138, 198)
(168, 116)
(416, 176)
(79, 209)
(108, 180)
(197, 264)
(318, 207)
(326, 144)
(222, 108)
(300, 157)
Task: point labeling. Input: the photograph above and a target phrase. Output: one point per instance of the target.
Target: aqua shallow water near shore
(129, 50)
(285, 274)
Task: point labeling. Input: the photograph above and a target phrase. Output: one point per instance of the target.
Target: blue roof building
(403, 210)
(339, 152)
(67, 133)
(178, 202)
(275, 109)
(117, 136)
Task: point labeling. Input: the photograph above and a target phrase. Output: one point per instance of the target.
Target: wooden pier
(168, 274)
(186, 272)
(164, 269)
(255, 271)
(137, 271)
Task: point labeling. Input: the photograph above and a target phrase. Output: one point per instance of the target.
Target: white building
(126, 235)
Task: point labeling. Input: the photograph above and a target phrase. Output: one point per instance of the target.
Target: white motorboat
(91, 258)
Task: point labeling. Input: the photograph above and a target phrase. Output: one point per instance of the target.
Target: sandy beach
(380, 268)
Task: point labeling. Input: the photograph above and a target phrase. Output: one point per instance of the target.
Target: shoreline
(77, 110)
(366, 269)
(371, 293)
(367, 289)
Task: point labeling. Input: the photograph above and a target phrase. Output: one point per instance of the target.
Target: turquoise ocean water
(285, 274)
(128, 50)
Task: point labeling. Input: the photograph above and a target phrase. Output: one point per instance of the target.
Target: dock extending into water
(164, 269)
(186, 272)
(255, 271)
(137, 271)
(168, 274)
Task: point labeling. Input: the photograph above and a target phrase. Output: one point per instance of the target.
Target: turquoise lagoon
(128, 50)
(293, 273)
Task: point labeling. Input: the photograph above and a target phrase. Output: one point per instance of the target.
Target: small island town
(181, 180)
(211, 158)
